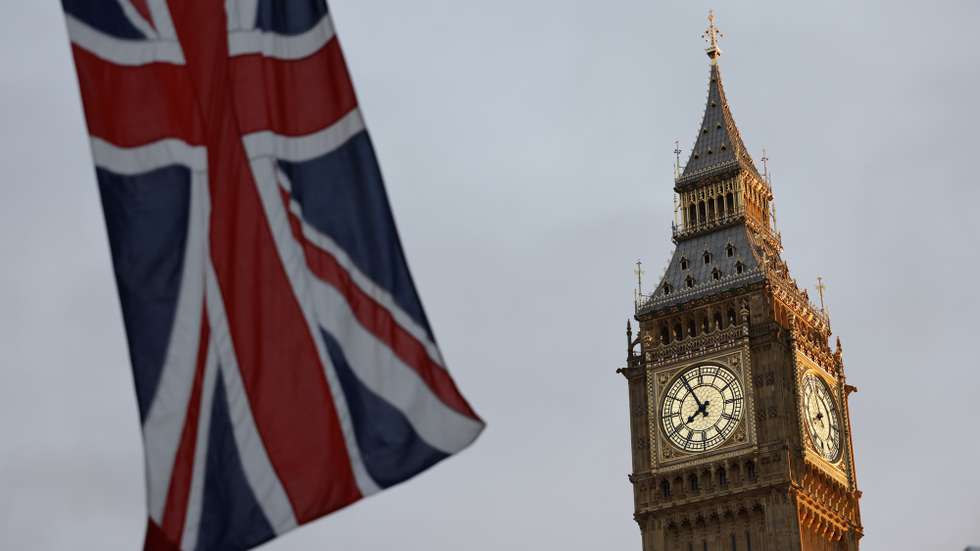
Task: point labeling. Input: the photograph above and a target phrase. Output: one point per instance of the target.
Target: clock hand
(691, 390)
(703, 409)
(825, 409)
(696, 400)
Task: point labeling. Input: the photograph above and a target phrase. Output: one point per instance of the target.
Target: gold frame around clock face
(702, 407)
(821, 417)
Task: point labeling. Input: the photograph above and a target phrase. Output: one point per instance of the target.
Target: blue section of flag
(103, 15)
(390, 448)
(289, 16)
(342, 195)
(146, 217)
(231, 517)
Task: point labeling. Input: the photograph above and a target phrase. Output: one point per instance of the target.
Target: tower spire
(711, 35)
(718, 147)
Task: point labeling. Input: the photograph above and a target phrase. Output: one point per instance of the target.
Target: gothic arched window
(716, 274)
(665, 488)
(689, 282)
(707, 257)
(739, 267)
(684, 263)
(730, 250)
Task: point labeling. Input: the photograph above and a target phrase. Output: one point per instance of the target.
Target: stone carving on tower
(740, 429)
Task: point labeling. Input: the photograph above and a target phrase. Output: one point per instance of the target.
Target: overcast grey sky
(527, 151)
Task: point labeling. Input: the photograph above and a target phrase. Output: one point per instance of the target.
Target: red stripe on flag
(281, 370)
(379, 321)
(143, 10)
(156, 539)
(175, 510)
(292, 97)
(135, 105)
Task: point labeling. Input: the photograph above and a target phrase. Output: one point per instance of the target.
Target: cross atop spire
(820, 289)
(711, 35)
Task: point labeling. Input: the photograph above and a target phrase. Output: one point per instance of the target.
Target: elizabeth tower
(740, 429)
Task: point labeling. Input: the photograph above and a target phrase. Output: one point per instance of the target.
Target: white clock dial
(821, 418)
(702, 408)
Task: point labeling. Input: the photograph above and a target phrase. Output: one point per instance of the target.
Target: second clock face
(822, 421)
(702, 408)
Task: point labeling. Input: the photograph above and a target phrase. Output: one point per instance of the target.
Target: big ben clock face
(820, 417)
(702, 408)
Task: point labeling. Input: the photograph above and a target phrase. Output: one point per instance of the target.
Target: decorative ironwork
(718, 222)
(698, 346)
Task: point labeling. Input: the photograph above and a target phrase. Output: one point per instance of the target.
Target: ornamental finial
(711, 35)
(820, 289)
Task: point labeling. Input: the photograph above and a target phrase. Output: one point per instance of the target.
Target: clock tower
(740, 429)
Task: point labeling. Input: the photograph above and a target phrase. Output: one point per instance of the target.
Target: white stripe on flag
(165, 417)
(304, 148)
(278, 46)
(363, 282)
(136, 19)
(241, 14)
(161, 19)
(137, 160)
(195, 498)
(291, 256)
(381, 371)
(123, 52)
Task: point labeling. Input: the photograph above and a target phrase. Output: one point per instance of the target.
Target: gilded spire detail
(711, 35)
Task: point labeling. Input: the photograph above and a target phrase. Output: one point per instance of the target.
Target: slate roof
(719, 146)
(715, 244)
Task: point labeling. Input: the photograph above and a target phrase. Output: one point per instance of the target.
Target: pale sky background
(527, 146)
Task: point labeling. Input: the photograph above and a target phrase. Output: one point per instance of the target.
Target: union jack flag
(284, 366)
